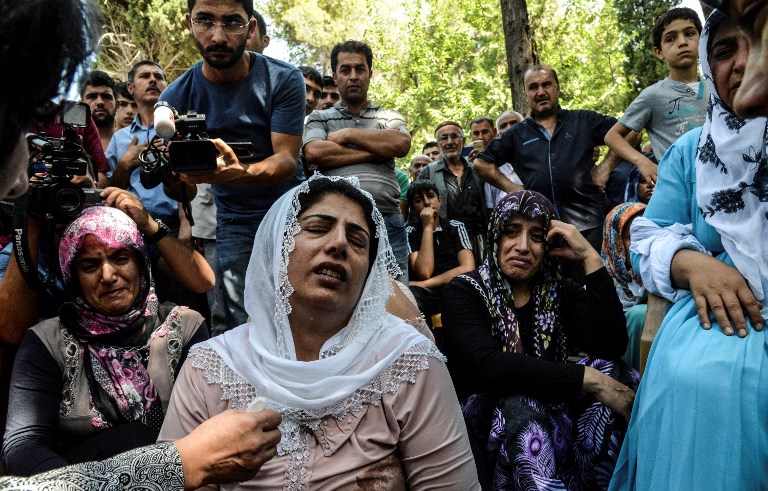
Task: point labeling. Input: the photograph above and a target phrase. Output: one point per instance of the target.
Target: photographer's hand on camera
(85, 182)
(274, 169)
(126, 164)
(228, 167)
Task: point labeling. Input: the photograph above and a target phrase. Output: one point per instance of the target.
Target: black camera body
(191, 152)
(53, 163)
(52, 198)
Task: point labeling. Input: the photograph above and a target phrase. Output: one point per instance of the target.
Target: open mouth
(339, 275)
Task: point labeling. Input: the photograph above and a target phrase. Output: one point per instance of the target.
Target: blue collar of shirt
(136, 125)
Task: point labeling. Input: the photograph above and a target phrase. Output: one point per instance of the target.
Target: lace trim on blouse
(298, 424)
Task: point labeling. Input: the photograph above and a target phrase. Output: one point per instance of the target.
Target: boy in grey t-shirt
(670, 107)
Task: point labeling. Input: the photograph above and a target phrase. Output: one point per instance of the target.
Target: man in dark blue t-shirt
(246, 97)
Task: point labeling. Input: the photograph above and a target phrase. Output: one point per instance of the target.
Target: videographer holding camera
(59, 168)
(250, 98)
(146, 81)
(44, 42)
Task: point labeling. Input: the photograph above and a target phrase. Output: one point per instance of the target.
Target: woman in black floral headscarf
(536, 421)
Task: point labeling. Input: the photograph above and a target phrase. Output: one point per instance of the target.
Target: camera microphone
(165, 120)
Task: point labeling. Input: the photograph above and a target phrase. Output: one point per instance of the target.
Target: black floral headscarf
(549, 341)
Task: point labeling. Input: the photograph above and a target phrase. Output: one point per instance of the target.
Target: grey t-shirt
(667, 110)
(377, 178)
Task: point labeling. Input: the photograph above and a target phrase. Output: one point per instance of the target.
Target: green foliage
(145, 29)
(433, 59)
(446, 62)
(641, 66)
(579, 39)
(312, 27)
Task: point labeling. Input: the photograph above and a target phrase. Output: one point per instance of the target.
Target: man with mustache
(551, 152)
(457, 180)
(356, 137)
(246, 97)
(146, 81)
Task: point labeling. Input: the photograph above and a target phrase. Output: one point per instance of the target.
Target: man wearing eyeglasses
(246, 97)
(459, 184)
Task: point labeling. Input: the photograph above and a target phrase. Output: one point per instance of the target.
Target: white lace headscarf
(732, 179)
(348, 373)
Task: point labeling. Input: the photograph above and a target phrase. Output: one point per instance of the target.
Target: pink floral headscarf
(116, 230)
(112, 360)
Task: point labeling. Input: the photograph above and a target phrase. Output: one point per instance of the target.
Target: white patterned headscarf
(348, 373)
(732, 179)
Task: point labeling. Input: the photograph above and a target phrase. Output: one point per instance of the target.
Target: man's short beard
(355, 99)
(107, 122)
(223, 65)
(543, 114)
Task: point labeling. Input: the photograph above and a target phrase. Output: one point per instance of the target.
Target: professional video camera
(189, 150)
(190, 153)
(53, 163)
(51, 198)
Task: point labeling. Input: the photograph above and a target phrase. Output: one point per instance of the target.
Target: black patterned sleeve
(477, 363)
(153, 468)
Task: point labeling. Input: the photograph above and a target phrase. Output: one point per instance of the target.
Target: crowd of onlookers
(472, 321)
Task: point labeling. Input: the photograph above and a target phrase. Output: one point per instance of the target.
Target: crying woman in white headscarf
(365, 399)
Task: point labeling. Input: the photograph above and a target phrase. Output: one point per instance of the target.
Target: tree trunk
(521, 52)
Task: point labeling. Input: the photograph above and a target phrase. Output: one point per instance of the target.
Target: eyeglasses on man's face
(229, 27)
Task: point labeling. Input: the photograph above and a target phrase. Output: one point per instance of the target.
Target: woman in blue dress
(700, 419)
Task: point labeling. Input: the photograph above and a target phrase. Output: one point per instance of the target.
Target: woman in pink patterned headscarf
(96, 380)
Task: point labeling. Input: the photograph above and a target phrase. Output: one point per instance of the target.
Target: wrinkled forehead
(447, 129)
(147, 69)
(99, 89)
(480, 125)
(539, 75)
(509, 118)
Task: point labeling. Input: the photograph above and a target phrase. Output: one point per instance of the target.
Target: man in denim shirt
(146, 81)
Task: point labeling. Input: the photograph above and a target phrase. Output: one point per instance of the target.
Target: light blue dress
(700, 419)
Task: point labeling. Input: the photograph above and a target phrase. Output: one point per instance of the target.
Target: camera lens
(67, 201)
